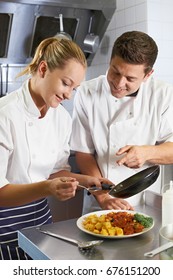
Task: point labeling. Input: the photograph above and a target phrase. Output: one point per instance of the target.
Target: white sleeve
(81, 138)
(6, 148)
(166, 126)
(64, 153)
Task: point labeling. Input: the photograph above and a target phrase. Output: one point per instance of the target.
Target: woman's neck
(38, 100)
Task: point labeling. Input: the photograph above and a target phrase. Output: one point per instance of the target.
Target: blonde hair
(55, 52)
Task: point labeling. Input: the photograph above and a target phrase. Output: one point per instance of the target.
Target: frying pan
(134, 184)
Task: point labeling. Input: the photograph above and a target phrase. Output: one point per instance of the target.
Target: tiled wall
(151, 16)
(160, 26)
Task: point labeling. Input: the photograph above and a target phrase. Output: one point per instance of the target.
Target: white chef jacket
(102, 124)
(31, 148)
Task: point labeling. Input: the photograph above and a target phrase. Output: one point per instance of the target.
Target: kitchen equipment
(166, 243)
(167, 204)
(136, 183)
(159, 250)
(62, 34)
(95, 190)
(166, 236)
(41, 21)
(91, 41)
(131, 186)
(80, 244)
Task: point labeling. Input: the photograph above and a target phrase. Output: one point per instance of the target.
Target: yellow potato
(98, 225)
(112, 231)
(119, 231)
(102, 218)
(89, 227)
(104, 232)
(94, 220)
(101, 225)
(107, 225)
(96, 231)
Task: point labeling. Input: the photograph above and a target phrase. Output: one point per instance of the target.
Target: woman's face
(52, 87)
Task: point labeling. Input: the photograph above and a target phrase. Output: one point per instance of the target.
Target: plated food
(115, 223)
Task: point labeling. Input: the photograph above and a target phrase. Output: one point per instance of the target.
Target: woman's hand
(63, 188)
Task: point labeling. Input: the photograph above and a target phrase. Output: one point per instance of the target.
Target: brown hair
(136, 47)
(56, 52)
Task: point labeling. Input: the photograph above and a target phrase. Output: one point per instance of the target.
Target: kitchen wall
(151, 16)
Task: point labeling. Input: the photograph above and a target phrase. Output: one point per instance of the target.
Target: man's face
(124, 78)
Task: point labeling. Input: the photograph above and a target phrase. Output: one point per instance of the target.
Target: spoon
(93, 189)
(80, 244)
(159, 250)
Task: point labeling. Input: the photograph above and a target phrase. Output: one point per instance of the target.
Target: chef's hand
(135, 156)
(109, 202)
(89, 181)
(63, 188)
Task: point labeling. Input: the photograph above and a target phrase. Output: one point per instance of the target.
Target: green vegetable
(145, 221)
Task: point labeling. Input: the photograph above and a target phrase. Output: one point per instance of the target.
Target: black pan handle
(105, 187)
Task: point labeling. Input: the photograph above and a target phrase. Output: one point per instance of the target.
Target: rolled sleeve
(3, 182)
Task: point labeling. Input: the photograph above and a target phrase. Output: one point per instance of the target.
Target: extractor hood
(24, 24)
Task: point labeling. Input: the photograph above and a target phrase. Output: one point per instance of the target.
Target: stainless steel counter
(41, 247)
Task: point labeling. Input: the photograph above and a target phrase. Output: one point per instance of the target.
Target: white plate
(101, 212)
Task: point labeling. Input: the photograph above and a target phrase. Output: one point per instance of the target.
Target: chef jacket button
(30, 123)
(33, 156)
